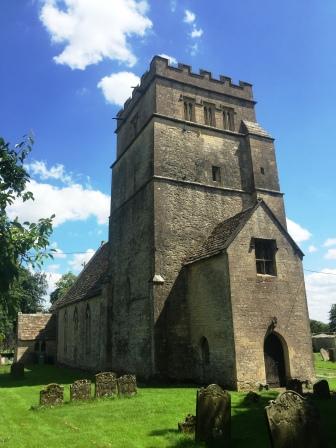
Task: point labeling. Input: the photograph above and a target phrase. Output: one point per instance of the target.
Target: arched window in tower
(205, 352)
(65, 335)
(87, 330)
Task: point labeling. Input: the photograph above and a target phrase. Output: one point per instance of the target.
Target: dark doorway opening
(274, 361)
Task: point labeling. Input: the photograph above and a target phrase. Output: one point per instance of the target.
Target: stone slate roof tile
(36, 326)
(221, 235)
(255, 129)
(90, 280)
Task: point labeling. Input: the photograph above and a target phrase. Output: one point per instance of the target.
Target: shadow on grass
(36, 375)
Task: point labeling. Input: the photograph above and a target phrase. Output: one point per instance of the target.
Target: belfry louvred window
(228, 119)
(265, 256)
(189, 113)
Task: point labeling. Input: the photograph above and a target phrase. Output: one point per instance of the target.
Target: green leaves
(19, 242)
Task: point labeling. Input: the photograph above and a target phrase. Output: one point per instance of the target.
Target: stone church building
(200, 279)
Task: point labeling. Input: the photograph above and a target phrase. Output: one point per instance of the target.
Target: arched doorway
(274, 361)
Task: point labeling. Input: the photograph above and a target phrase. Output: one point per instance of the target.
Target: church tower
(194, 174)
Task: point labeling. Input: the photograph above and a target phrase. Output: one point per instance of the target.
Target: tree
(26, 295)
(63, 285)
(318, 327)
(332, 318)
(20, 242)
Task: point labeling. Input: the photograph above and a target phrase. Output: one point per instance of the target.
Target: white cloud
(79, 260)
(331, 254)
(52, 278)
(117, 88)
(70, 203)
(57, 253)
(297, 232)
(171, 59)
(321, 293)
(53, 267)
(330, 242)
(94, 30)
(312, 249)
(189, 16)
(194, 49)
(196, 32)
(39, 168)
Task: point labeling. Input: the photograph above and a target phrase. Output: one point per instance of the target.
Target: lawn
(147, 420)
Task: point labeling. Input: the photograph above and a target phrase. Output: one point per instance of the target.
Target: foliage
(25, 295)
(62, 286)
(19, 242)
(332, 318)
(318, 327)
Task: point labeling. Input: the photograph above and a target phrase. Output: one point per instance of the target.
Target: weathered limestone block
(53, 394)
(80, 390)
(106, 384)
(17, 370)
(213, 416)
(189, 424)
(321, 389)
(294, 422)
(127, 385)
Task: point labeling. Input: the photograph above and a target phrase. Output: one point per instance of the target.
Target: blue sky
(67, 65)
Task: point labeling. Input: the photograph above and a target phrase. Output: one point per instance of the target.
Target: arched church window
(205, 352)
(87, 329)
(65, 328)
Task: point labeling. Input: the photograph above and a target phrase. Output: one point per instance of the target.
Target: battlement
(159, 67)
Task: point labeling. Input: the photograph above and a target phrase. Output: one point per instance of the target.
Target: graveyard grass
(147, 420)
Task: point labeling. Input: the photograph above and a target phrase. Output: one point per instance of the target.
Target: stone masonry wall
(209, 307)
(256, 299)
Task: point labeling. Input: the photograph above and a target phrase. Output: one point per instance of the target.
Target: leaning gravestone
(213, 416)
(80, 390)
(52, 394)
(106, 384)
(321, 389)
(17, 370)
(324, 354)
(127, 385)
(332, 354)
(294, 422)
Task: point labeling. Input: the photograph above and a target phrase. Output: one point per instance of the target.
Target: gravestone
(295, 385)
(324, 354)
(332, 354)
(321, 389)
(294, 422)
(188, 426)
(80, 390)
(262, 386)
(127, 385)
(17, 370)
(106, 385)
(52, 395)
(251, 397)
(213, 416)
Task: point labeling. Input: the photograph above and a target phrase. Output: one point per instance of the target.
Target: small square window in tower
(189, 110)
(209, 115)
(228, 119)
(216, 174)
(265, 256)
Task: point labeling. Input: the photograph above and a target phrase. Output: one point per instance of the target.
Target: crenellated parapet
(183, 74)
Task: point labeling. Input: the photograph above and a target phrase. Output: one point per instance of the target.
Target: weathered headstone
(53, 394)
(127, 385)
(324, 354)
(188, 426)
(80, 390)
(262, 386)
(251, 397)
(106, 384)
(332, 354)
(294, 422)
(17, 370)
(213, 416)
(321, 389)
(295, 385)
